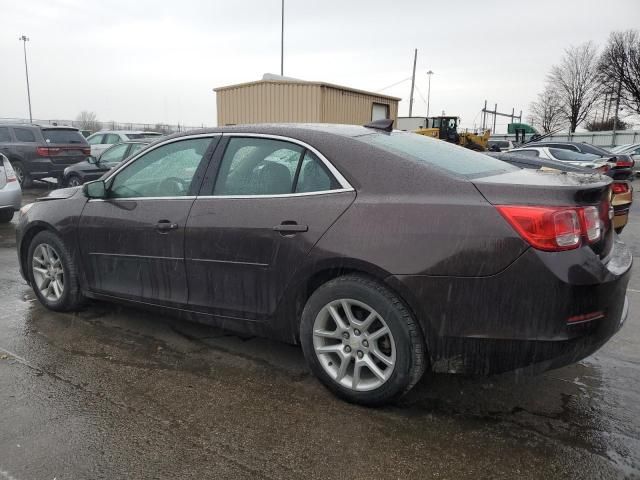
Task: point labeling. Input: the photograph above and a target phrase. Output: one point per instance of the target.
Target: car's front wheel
(53, 274)
(361, 341)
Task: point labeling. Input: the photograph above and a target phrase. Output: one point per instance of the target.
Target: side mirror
(91, 159)
(95, 189)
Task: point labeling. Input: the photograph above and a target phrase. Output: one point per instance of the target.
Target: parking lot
(114, 392)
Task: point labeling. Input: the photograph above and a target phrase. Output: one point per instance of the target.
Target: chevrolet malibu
(382, 253)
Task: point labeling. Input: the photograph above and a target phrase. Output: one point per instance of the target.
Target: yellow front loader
(446, 128)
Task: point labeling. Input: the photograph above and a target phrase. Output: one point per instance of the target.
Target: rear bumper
(519, 318)
(45, 167)
(10, 196)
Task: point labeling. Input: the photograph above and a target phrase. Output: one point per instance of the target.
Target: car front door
(251, 228)
(132, 242)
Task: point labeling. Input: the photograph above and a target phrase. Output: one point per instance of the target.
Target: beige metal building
(281, 99)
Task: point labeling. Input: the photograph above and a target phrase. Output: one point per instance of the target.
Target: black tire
(619, 230)
(71, 298)
(24, 178)
(72, 181)
(6, 216)
(410, 346)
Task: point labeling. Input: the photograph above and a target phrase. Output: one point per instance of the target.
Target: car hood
(60, 194)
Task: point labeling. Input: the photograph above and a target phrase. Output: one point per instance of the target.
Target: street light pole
(24, 39)
(429, 73)
(282, 42)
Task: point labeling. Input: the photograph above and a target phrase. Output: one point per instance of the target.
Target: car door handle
(165, 226)
(289, 227)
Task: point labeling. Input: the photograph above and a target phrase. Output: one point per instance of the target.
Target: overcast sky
(158, 61)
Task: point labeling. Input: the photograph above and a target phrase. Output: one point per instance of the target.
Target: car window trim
(345, 186)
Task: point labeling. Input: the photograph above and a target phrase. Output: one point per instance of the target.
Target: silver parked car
(10, 192)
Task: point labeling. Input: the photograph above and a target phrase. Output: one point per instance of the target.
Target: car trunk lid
(64, 146)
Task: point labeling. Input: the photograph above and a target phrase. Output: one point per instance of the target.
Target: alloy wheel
(74, 181)
(17, 169)
(354, 344)
(48, 273)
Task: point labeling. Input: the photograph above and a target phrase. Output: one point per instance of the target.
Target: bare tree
(620, 66)
(577, 82)
(88, 121)
(546, 111)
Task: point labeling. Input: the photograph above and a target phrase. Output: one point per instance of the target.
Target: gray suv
(38, 151)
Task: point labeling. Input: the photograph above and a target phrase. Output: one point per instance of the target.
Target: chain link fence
(110, 125)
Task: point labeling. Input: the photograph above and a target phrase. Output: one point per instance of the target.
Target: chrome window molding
(346, 186)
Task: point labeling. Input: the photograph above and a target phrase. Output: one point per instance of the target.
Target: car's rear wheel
(73, 181)
(361, 341)
(6, 215)
(23, 177)
(53, 274)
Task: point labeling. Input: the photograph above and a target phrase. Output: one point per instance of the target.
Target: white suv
(100, 141)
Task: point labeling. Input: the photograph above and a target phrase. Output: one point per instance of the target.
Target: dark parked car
(94, 168)
(382, 253)
(623, 169)
(37, 152)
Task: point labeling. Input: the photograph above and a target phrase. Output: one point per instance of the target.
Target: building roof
(268, 78)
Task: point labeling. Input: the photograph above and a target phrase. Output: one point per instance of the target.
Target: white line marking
(19, 359)
(633, 290)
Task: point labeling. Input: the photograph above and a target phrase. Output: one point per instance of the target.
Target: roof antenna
(385, 124)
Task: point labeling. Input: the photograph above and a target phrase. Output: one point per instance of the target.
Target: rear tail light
(624, 163)
(554, 229)
(619, 187)
(48, 151)
(86, 151)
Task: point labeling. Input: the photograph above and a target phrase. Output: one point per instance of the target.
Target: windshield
(457, 160)
(570, 156)
(63, 135)
(134, 136)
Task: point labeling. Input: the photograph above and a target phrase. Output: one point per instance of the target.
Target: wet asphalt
(115, 393)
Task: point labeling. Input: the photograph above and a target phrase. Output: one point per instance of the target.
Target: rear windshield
(458, 160)
(60, 135)
(499, 143)
(135, 136)
(570, 156)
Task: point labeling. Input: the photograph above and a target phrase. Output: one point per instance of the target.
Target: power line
(393, 84)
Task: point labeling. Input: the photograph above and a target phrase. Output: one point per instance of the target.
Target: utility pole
(282, 41)
(413, 81)
(429, 73)
(24, 39)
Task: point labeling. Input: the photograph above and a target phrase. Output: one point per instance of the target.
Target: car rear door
(255, 220)
(132, 242)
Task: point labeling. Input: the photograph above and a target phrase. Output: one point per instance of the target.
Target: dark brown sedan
(382, 253)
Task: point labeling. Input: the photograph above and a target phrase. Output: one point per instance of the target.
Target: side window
(136, 147)
(4, 135)
(314, 177)
(257, 166)
(166, 171)
(24, 135)
(114, 154)
(95, 139)
(111, 138)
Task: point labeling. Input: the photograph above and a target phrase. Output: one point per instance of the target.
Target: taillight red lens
(86, 151)
(48, 151)
(619, 187)
(624, 163)
(554, 229)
